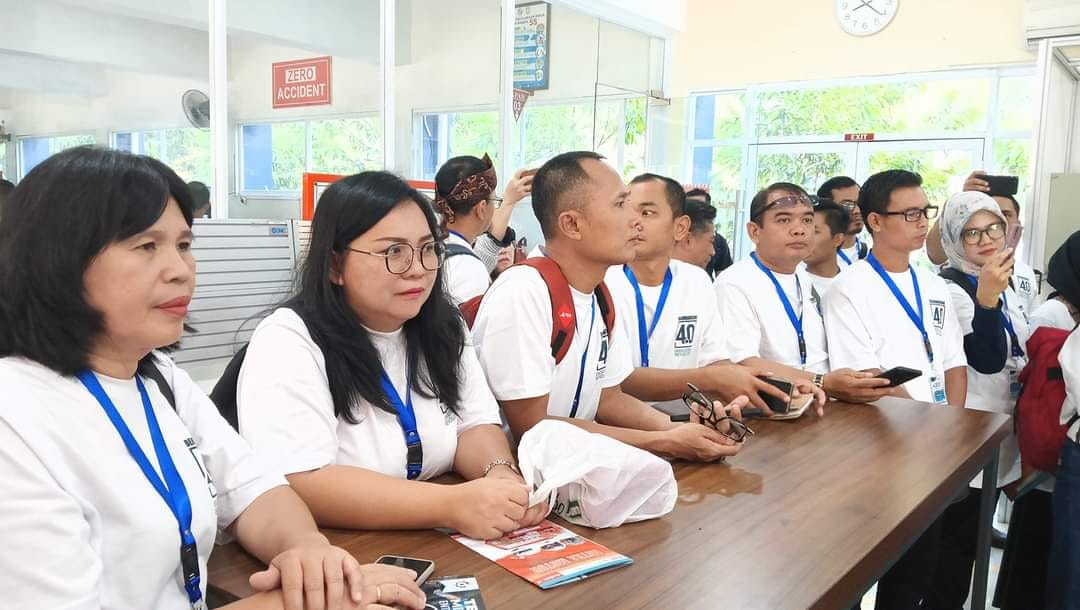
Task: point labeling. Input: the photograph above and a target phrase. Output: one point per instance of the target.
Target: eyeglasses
(700, 405)
(399, 257)
(929, 212)
(496, 202)
(783, 203)
(972, 237)
(848, 204)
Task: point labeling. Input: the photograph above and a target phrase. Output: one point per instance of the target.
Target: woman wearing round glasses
(364, 385)
(995, 326)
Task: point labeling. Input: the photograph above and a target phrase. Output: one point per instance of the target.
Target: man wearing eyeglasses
(883, 313)
(845, 192)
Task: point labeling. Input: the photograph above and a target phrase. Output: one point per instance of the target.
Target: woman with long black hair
(365, 384)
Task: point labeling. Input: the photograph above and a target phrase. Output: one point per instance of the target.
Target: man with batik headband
(465, 197)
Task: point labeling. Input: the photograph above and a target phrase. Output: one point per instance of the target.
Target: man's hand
(975, 183)
(849, 385)
(730, 381)
(519, 187)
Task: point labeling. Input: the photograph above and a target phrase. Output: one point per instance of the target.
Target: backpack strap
(453, 250)
(563, 318)
(224, 392)
(957, 277)
(607, 307)
(864, 251)
(152, 371)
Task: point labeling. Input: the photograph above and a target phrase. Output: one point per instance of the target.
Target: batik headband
(469, 189)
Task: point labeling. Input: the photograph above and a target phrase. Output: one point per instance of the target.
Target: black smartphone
(1002, 185)
(777, 405)
(422, 567)
(899, 376)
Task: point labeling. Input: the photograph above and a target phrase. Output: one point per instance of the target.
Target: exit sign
(858, 137)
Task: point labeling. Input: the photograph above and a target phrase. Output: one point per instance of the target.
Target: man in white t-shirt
(668, 313)
(580, 203)
(845, 193)
(883, 313)
(823, 264)
(772, 320)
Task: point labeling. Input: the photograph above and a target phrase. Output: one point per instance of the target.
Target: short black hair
(1016, 204)
(836, 182)
(876, 191)
(699, 192)
(561, 175)
(455, 170)
(836, 217)
(676, 196)
(200, 195)
(67, 210)
(761, 199)
(702, 216)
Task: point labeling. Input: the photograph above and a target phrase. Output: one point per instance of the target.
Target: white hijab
(958, 211)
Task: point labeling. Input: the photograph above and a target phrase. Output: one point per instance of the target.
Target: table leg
(986, 523)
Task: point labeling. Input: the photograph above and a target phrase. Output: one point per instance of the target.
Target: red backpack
(564, 320)
(1038, 411)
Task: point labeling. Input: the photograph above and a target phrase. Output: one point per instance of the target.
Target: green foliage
(346, 146)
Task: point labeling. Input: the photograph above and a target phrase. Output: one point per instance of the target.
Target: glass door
(943, 164)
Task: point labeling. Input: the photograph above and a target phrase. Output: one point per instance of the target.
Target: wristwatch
(819, 381)
(500, 462)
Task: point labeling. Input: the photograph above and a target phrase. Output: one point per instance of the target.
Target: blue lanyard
(414, 449)
(584, 356)
(796, 321)
(844, 257)
(172, 490)
(916, 319)
(1006, 320)
(644, 336)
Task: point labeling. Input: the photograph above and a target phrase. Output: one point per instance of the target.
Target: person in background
(1062, 584)
(1025, 282)
(465, 197)
(364, 385)
(845, 192)
(721, 258)
(995, 326)
(499, 239)
(1062, 306)
(698, 247)
(882, 313)
(200, 197)
(118, 472)
(581, 204)
(665, 308)
(830, 229)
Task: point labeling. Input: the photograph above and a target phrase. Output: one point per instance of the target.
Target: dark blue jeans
(1063, 577)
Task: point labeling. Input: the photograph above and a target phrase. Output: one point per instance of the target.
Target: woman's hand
(488, 508)
(994, 279)
(313, 575)
(504, 260)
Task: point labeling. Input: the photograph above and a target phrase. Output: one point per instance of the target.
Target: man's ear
(753, 231)
(570, 223)
(838, 240)
(873, 220)
(682, 228)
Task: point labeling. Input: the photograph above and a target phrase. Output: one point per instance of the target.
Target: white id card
(937, 388)
(1014, 381)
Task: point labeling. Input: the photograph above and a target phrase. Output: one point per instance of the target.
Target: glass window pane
(446, 135)
(942, 171)
(725, 183)
(35, 150)
(1016, 103)
(274, 156)
(187, 151)
(808, 170)
(1012, 157)
(719, 117)
(549, 130)
(346, 146)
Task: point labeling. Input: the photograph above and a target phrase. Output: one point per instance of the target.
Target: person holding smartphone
(994, 321)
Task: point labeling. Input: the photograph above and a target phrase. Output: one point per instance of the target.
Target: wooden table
(809, 515)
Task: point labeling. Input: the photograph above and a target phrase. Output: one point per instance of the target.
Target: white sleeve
(478, 404)
(742, 338)
(48, 560)
(283, 400)
(1070, 368)
(963, 307)
(239, 475)
(850, 342)
(465, 278)
(487, 249)
(718, 293)
(619, 362)
(955, 357)
(512, 334)
(712, 338)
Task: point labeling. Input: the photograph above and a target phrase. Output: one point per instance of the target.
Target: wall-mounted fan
(197, 108)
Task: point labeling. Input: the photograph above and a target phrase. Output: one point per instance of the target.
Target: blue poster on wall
(532, 46)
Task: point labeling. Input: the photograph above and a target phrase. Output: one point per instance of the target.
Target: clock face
(865, 17)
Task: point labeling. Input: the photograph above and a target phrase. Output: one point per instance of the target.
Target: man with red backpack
(545, 331)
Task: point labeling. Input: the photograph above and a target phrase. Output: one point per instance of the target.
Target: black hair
(673, 191)
(699, 192)
(562, 174)
(876, 191)
(346, 210)
(455, 170)
(836, 182)
(200, 195)
(836, 217)
(67, 210)
(6, 186)
(1016, 204)
(761, 199)
(702, 216)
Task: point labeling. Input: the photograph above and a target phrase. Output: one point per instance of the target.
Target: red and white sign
(858, 137)
(520, 97)
(303, 82)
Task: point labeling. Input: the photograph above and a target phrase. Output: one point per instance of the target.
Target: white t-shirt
(287, 414)
(512, 334)
(997, 392)
(852, 253)
(821, 283)
(465, 275)
(868, 328)
(1052, 313)
(81, 525)
(1069, 357)
(1026, 285)
(756, 324)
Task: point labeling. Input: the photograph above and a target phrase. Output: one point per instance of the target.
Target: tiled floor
(995, 566)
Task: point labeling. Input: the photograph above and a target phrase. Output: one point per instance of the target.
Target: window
(34, 150)
(274, 156)
(548, 130)
(442, 136)
(185, 149)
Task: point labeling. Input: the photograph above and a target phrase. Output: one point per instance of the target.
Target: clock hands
(869, 6)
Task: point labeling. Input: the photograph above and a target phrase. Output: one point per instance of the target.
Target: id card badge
(200, 605)
(1014, 382)
(937, 389)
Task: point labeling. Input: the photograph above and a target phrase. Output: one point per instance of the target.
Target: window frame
(20, 170)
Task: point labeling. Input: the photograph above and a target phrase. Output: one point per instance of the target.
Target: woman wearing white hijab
(995, 324)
